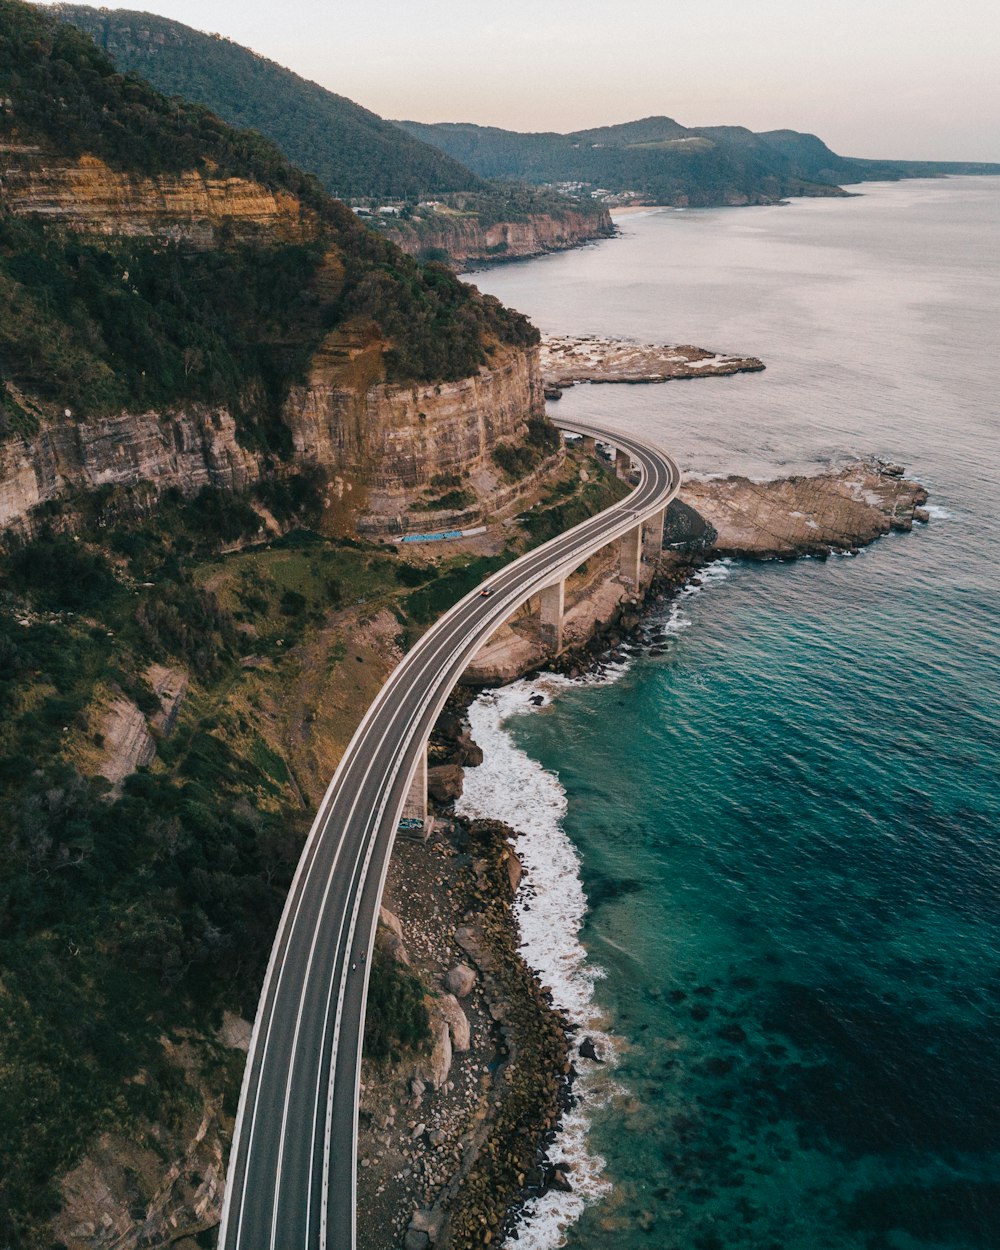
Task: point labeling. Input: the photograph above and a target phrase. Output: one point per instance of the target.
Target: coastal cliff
(376, 447)
(344, 418)
(399, 438)
(468, 240)
(197, 343)
(86, 195)
(145, 453)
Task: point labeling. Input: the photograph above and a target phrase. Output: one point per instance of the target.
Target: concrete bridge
(643, 542)
(292, 1167)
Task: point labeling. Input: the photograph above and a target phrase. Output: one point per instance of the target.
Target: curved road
(292, 1168)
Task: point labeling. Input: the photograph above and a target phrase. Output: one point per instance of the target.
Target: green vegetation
(350, 150)
(101, 326)
(128, 919)
(571, 501)
(451, 582)
(119, 922)
(452, 500)
(397, 1017)
(123, 922)
(354, 153)
(664, 162)
(517, 460)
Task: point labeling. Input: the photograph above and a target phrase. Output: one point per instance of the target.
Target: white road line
(438, 639)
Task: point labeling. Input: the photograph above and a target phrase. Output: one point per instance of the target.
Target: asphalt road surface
(292, 1168)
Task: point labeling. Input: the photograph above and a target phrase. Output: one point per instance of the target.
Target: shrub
(396, 1015)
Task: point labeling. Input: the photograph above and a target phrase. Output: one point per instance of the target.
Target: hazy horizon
(913, 80)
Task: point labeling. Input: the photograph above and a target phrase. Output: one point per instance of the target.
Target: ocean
(763, 869)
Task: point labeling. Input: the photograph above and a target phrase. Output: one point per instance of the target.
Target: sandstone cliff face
(88, 196)
(389, 441)
(466, 240)
(189, 449)
(368, 437)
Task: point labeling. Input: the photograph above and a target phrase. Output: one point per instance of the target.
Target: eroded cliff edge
(470, 239)
(373, 444)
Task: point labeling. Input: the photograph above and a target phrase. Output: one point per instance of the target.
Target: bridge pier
(415, 807)
(552, 603)
(631, 556)
(588, 445)
(653, 535)
(623, 464)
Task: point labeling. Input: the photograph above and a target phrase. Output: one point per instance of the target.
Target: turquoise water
(788, 825)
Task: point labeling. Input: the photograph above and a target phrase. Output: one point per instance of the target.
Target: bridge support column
(653, 535)
(415, 807)
(589, 445)
(552, 602)
(623, 464)
(631, 557)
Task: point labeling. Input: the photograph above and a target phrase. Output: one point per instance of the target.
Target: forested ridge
(133, 917)
(662, 161)
(103, 325)
(351, 150)
(354, 153)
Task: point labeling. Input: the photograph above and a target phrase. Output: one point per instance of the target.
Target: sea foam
(511, 787)
(550, 907)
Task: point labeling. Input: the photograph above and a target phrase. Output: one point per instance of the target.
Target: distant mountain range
(468, 169)
(659, 160)
(356, 154)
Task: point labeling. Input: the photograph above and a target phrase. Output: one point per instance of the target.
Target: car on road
(486, 592)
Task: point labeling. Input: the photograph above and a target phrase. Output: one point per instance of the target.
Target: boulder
(470, 938)
(444, 783)
(434, 1070)
(391, 922)
(468, 752)
(589, 1051)
(458, 1023)
(514, 870)
(460, 980)
(425, 1224)
(235, 1032)
(390, 937)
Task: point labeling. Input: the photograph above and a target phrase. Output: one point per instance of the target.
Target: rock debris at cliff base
(451, 1136)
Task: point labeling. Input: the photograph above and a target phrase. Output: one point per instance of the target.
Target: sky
(910, 79)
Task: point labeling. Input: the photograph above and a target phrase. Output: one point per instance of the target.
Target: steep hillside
(449, 212)
(657, 160)
(155, 259)
(814, 159)
(208, 368)
(352, 151)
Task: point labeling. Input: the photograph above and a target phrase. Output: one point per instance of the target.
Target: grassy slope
(129, 922)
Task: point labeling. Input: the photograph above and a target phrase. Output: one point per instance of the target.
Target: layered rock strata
(806, 515)
(186, 449)
(377, 444)
(396, 439)
(468, 242)
(90, 197)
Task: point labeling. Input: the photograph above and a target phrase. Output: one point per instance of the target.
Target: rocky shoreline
(454, 1137)
(570, 359)
(455, 1141)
